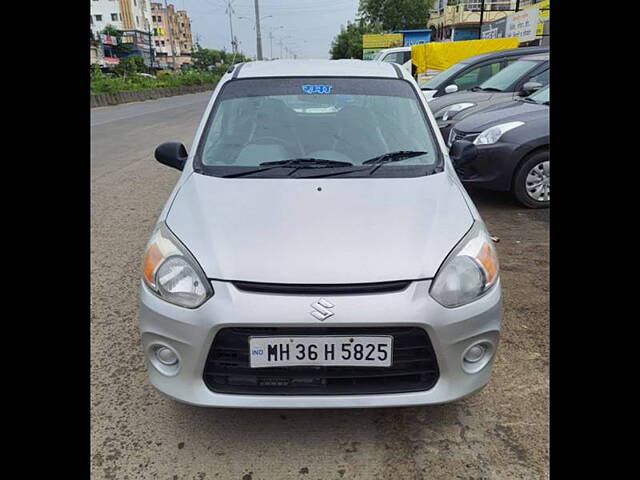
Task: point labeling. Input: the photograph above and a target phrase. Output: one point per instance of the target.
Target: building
(460, 20)
(185, 39)
(121, 14)
(162, 36)
(172, 35)
(452, 20)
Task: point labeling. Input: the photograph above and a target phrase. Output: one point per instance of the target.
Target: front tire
(532, 181)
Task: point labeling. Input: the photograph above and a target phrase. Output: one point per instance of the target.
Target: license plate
(346, 351)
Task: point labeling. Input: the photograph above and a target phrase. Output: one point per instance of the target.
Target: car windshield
(320, 124)
(435, 82)
(540, 96)
(506, 77)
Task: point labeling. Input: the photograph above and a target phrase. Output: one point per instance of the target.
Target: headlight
(493, 134)
(469, 271)
(448, 112)
(172, 273)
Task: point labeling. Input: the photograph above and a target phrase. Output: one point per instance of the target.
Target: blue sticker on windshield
(316, 89)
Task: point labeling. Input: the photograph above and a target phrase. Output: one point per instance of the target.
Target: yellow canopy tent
(441, 55)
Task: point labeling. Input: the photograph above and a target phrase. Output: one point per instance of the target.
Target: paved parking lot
(500, 433)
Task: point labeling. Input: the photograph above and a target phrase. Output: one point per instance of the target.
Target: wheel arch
(524, 157)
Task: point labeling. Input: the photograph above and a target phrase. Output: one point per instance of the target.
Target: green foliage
(129, 66)
(395, 14)
(203, 58)
(111, 30)
(348, 43)
(111, 84)
(96, 73)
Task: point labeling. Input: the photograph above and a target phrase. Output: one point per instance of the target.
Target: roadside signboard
(497, 29)
(544, 8)
(108, 39)
(523, 24)
(520, 24)
(372, 43)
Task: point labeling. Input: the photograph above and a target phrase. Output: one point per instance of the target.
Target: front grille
(454, 136)
(414, 367)
(322, 289)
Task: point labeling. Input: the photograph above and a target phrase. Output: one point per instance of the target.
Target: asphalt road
(500, 433)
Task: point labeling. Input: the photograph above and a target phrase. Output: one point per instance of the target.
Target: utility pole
(233, 42)
(150, 49)
(271, 39)
(481, 18)
(258, 38)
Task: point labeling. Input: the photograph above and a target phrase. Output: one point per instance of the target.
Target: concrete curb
(104, 99)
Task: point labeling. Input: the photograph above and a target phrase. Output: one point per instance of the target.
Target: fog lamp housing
(164, 359)
(477, 356)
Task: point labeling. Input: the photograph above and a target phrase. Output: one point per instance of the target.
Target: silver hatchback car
(318, 249)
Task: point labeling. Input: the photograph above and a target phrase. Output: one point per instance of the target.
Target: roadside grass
(101, 83)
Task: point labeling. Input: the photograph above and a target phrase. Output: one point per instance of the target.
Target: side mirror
(462, 152)
(172, 154)
(453, 88)
(530, 87)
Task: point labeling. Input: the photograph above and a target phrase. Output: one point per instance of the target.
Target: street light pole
(271, 39)
(258, 38)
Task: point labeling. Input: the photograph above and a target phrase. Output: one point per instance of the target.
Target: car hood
(502, 113)
(481, 99)
(351, 231)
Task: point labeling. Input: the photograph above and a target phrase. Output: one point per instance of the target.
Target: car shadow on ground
(318, 427)
(488, 201)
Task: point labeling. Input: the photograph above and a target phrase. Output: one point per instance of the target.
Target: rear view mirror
(530, 87)
(453, 88)
(462, 153)
(172, 154)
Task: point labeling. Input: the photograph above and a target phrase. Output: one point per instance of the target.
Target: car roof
(503, 53)
(315, 68)
(394, 49)
(537, 57)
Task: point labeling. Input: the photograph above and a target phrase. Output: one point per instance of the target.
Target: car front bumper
(190, 332)
(494, 166)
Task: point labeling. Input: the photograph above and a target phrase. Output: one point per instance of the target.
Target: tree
(395, 14)
(111, 30)
(348, 43)
(203, 58)
(129, 65)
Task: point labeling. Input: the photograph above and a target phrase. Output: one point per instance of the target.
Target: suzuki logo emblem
(321, 312)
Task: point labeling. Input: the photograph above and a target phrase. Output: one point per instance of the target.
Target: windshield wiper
(392, 157)
(378, 161)
(309, 161)
(295, 163)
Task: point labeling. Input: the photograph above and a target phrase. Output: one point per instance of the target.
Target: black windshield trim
(237, 71)
(398, 72)
(198, 167)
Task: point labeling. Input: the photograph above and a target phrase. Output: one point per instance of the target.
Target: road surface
(500, 433)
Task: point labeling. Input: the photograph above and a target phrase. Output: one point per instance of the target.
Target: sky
(308, 26)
